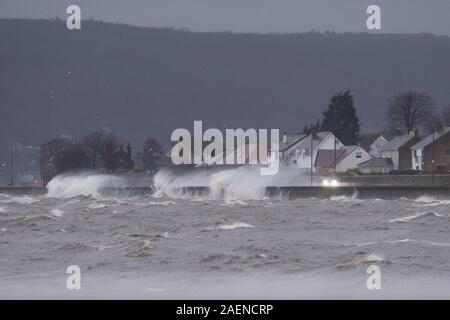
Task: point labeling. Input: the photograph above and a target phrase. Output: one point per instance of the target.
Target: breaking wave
(71, 186)
(57, 212)
(417, 216)
(430, 201)
(5, 198)
(343, 198)
(162, 203)
(242, 183)
(424, 242)
(359, 259)
(235, 226)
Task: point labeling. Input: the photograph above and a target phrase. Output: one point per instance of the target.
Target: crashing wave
(71, 186)
(360, 259)
(235, 226)
(417, 216)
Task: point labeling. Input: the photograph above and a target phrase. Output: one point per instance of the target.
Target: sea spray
(70, 186)
(240, 183)
(170, 182)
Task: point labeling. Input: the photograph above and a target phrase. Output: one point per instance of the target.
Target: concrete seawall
(397, 180)
(285, 192)
(361, 192)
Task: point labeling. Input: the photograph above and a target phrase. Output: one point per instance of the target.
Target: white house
(417, 150)
(298, 154)
(376, 146)
(341, 160)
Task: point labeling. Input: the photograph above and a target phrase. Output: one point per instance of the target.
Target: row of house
(322, 151)
(403, 153)
(325, 153)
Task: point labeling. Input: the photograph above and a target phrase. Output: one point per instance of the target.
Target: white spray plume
(69, 185)
(243, 183)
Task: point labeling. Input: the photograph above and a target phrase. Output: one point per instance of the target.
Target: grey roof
(306, 142)
(291, 140)
(380, 137)
(423, 143)
(377, 163)
(397, 142)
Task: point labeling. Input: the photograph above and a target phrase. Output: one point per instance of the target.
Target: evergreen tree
(312, 127)
(340, 118)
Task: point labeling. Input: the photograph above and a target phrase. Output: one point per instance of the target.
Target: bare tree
(444, 116)
(103, 149)
(409, 111)
(152, 155)
(93, 147)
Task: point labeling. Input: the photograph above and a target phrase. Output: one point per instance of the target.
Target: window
(447, 152)
(358, 155)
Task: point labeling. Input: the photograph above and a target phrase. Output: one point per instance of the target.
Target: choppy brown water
(200, 248)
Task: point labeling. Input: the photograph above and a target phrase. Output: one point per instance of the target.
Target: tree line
(101, 151)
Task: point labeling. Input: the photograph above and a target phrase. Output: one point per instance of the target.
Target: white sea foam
(5, 198)
(162, 203)
(70, 186)
(425, 199)
(431, 202)
(57, 212)
(370, 258)
(235, 226)
(345, 198)
(424, 242)
(417, 216)
(97, 206)
(360, 259)
(233, 202)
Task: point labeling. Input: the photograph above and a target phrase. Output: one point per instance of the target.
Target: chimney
(284, 137)
(412, 133)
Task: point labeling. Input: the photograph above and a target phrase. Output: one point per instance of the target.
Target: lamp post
(3, 165)
(311, 155)
(335, 156)
(11, 167)
(432, 160)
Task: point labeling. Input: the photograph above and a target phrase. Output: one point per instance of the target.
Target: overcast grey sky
(408, 16)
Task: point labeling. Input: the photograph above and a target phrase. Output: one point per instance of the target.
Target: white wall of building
(351, 161)
(417, 159)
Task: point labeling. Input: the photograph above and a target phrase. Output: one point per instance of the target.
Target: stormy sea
(232, 243)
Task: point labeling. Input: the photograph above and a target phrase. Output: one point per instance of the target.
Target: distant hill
(147, 81)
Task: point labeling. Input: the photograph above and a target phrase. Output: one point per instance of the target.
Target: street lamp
(311, 155)
(432, 160)
(335, 164)
(11, 167)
